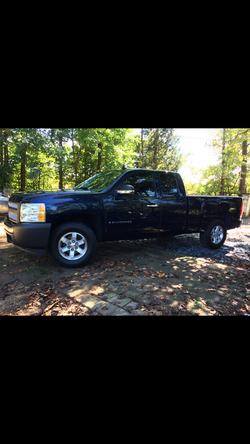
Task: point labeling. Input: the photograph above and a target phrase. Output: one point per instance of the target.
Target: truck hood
(24, 195)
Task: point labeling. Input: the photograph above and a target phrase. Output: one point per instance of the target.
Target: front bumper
(33, 238)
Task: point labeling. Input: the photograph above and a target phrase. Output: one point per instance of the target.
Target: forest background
(52, 158)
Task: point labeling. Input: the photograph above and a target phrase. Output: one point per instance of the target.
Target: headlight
(32, 213)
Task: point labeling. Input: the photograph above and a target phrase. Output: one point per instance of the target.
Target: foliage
(228, 146)
(40, 158)
(158, 149)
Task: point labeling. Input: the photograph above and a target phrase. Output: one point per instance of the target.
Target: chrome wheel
(72, 246)
(217, 234)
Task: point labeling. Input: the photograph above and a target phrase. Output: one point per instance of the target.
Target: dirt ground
(121, 280)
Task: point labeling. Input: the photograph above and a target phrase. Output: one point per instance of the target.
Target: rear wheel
(215, 235)
(72, 244)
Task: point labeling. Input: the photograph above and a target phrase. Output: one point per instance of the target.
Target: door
(173, 204)
(134, 216)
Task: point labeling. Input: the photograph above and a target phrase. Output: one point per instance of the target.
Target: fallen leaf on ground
(160, 275)
(147, 273)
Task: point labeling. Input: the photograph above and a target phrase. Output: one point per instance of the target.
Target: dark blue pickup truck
(115, 205)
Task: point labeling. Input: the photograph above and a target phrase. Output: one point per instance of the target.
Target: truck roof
(147, 170)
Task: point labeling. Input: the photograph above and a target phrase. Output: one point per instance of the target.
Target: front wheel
(72, 244)
(215, 235)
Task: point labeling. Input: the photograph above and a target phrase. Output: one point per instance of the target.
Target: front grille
(14, 213)
(12, 205)
(12, 216)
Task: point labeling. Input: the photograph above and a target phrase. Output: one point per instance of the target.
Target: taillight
(241, 210)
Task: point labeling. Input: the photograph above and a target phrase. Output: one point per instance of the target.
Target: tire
(215, 235)
(72, 244)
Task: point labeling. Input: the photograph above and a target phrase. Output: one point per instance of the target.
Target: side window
(168, 185)
(143, 184)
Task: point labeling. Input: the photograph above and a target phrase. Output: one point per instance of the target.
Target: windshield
(100, 181)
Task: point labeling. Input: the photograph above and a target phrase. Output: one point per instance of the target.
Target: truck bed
(202, 208)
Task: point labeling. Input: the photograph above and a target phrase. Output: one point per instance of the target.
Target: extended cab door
(134, 216)
(173, 203)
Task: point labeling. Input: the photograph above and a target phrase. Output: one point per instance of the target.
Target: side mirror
(125, 190)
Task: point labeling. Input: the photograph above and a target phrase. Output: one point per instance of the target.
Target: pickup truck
(115, 205)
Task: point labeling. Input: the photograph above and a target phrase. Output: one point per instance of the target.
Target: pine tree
(160, 149)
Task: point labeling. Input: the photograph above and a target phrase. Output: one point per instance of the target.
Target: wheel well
(226, 219)
(88, 219)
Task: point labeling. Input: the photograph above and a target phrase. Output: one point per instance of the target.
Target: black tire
(72, 244)
(215, 235)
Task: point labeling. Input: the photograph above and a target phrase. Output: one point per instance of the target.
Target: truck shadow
(189, 245)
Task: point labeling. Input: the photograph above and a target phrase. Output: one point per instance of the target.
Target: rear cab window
(168, 185)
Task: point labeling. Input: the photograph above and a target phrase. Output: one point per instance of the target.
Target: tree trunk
(1, 146)
(223, 165)
(99, 161)
(5, 144)
(156, 147)
(243, 168)
(60, 176)
(142, 153)
(75, 162)
(76, 159)
(85, 163)
(23, 170)
(60, 165)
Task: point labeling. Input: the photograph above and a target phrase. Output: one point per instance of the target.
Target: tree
(58, 138)
(245, 143)
(27, 145)
(5, 168)
(104, 149)
(159, 149)
(76, 154)
(34, 158)
(230, 175)
(142, 151)
(223, 164)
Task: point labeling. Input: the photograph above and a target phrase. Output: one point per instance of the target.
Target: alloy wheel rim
(217, 234)
(72, 246)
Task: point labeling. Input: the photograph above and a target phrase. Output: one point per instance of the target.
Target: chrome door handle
(152, 206)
